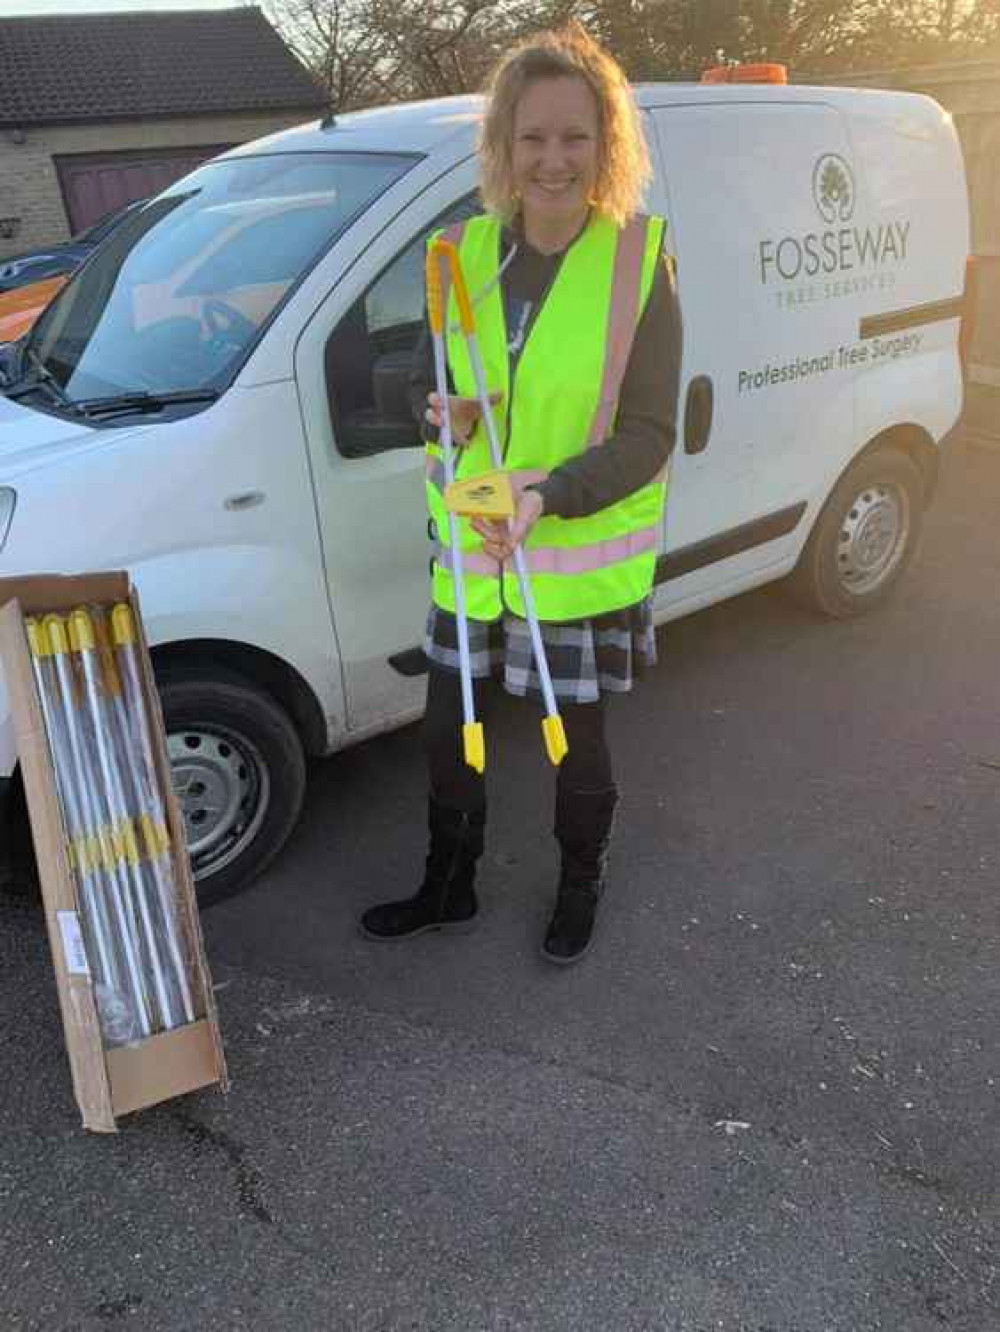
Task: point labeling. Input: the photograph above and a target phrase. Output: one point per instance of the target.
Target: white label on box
(72, 940)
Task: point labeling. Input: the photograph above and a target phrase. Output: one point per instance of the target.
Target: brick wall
(29, 184)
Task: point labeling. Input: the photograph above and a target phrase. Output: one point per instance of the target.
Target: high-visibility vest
(563, 399)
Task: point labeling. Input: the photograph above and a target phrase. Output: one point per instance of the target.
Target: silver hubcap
(873, 537)
(223, 789)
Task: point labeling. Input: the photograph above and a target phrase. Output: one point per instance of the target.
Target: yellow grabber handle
(445, 251)
(123, 626)
(38, 638)
(81, 631)
(54, 629)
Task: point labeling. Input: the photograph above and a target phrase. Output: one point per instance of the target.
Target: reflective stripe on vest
(565, 396)
(562, 560)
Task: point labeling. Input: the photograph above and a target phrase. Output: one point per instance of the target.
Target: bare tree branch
(372, 51)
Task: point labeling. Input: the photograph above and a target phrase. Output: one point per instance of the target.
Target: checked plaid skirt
(586, 657)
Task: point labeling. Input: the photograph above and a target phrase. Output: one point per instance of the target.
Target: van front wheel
(238, 771)
(864, 538)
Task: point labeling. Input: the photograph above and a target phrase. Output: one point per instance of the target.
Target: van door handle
(698, 414)
(248, 499)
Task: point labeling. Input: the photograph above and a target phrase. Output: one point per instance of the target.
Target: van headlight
(8, 499)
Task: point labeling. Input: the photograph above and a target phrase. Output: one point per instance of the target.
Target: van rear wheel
(864, 538)
(239, 775)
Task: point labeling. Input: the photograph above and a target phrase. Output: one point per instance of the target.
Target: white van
(217, 402)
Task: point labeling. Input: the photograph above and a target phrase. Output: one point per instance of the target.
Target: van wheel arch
(917, 443)
(283, 682)
(869, 526)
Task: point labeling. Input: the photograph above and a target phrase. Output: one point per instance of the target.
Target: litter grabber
(127, 1013)
(110, 768)
(473, 743)
(129, 702)
(84, 848)
(118, 846)
(553, 731)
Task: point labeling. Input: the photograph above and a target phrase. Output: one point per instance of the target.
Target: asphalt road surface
(766, 1102)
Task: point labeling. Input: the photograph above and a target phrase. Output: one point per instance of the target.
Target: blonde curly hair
(622, 160)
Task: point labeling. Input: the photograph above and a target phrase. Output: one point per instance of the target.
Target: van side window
(368, 354)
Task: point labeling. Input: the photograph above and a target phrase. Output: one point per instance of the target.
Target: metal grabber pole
(133, 723)
(474, 744)
(83, 641)
(553, 731)
(96, 821)
(84, 850)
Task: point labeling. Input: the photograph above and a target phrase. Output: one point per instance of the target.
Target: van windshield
(174, 300)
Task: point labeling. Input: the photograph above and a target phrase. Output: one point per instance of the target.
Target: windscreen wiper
(141, 400)
(42, 378)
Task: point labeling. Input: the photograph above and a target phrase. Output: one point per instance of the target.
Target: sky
(10, 8)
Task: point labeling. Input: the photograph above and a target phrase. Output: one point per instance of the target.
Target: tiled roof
(76, 67)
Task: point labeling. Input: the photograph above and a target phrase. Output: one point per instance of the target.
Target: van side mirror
(698, 414)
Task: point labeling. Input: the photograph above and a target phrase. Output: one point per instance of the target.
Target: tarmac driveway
(766, 1102)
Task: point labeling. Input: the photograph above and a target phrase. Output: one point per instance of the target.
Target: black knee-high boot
(583, 830)
(446, 900)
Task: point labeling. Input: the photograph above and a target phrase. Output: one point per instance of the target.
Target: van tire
(230, 742)
(864, 537)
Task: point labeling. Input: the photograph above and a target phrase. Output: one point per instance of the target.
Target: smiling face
(555, 150)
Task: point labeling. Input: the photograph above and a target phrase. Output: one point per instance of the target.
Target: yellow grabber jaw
(555, 739)
(475, 745)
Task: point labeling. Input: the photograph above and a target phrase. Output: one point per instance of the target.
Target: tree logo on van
(833, 188)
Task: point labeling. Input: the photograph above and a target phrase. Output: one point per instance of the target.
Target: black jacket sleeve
(646, 424)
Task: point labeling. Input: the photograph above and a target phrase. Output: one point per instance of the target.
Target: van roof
(423, 127)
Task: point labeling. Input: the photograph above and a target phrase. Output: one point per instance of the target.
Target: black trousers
(586, 769)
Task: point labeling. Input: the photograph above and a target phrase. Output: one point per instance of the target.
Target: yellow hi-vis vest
(563, 399)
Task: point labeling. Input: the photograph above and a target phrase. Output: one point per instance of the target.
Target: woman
(581, 340)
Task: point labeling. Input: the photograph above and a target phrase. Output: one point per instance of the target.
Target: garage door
(102, 182)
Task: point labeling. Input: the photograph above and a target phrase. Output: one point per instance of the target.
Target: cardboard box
(118, 1080)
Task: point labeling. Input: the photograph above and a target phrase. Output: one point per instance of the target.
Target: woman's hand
(499, 541)
(465, 412)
